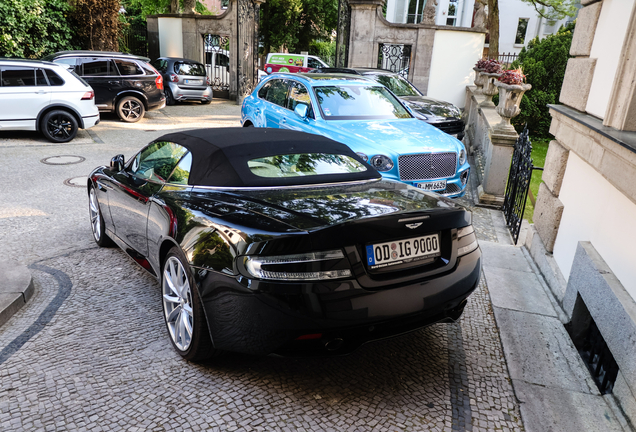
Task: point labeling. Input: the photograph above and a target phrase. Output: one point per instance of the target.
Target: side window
(313, 63)
(222, 60)
(156, 161)
(128, 68)
(262, 92)
(40, 79)
(54, 79)
(72, 61)
(277, 93)
(18, 76)
(181, 173)
(298, 94)
(98, 67)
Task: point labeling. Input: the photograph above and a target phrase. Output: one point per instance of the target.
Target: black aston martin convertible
(276, 241)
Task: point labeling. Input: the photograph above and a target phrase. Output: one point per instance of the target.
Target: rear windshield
(193, 69)
(304, 164)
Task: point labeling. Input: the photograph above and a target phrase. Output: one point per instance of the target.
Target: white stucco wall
(454, 55)
(606, 48)
(596, 211)
(170, 37)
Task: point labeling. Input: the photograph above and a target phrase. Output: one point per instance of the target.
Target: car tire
(169, 98)
(183, 311)
(59, 126)
(130, 109)
(97, 221)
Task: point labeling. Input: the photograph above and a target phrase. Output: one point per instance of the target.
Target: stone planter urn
(479, 80)
(509, 99)
(489, 89)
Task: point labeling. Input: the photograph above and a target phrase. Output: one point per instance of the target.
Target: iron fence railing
(134, 39)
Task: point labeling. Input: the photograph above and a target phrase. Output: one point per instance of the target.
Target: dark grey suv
(123, 83)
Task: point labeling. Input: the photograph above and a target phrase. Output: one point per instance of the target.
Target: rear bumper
(183, 94)
(260, 318)
(90, 121)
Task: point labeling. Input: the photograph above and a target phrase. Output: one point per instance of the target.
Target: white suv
(43, 96)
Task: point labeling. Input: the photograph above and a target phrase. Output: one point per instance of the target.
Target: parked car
(42, 96)
(442, 115)
(124, 83)
(284, 62)
(368, 118)
(183, 80)
(277, 241)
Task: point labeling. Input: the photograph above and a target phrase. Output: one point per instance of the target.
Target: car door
(298, 94)
(275, 103)
(101, 74)
(23, 94)
(133, 187)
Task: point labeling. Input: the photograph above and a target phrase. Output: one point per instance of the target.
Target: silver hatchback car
(184, 80)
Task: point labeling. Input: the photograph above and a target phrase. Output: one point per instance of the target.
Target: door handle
(257, 111)
(113, 82)
(284, 120)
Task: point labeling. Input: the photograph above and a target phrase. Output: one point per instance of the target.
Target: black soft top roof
(220, 155)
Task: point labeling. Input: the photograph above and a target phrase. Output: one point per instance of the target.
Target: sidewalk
(553, 385)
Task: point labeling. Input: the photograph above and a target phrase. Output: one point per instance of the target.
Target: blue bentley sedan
(368, 118)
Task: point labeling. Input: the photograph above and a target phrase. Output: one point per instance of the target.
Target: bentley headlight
(462, 157)
(363, 156)
(382, 163)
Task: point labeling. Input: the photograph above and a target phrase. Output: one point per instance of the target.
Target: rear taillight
(159, 82)
(88, 95)
(305, 266)
(174, 78)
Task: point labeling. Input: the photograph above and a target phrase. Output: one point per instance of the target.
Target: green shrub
(325, 50)
(34, 28)
(543, 62)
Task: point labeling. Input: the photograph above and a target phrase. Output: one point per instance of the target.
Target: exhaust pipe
(334, 344)
(456, 312)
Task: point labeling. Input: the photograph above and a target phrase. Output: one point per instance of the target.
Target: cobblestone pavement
(90, 350)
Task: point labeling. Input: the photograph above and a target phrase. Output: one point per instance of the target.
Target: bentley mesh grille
(427, 166)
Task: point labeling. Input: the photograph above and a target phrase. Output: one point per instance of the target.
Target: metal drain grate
(599, 359)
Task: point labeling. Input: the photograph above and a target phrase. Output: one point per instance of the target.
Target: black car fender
(130, 92)
(78, 117)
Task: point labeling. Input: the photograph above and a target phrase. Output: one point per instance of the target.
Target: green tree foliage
(543, 62)
(294, 24)
(138, 10)
(553, 9)
(34, 28)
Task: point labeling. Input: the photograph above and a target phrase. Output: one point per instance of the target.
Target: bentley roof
(220, 156)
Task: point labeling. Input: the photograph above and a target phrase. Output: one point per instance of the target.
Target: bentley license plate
(198, 82)
(401, 251)
(433, 186)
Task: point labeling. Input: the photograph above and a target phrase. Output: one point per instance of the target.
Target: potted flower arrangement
(512, 86)
(480, 66)
(492, 70)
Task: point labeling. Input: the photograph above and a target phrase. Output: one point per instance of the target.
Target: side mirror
(117, 163)
(301, 110)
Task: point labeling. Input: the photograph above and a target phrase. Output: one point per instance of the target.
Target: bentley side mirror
(301, 110)
(117, 163)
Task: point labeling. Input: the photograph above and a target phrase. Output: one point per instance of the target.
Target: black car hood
(431, 108)
(314, 208)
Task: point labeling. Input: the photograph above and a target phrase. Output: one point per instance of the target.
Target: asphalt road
(90, 350)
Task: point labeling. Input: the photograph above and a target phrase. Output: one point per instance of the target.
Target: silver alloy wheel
(131, 109)
(93, 207)
(177, 303)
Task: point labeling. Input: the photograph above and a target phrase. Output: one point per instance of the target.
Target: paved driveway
(90, 350)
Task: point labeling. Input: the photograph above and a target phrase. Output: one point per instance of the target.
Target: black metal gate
(217, 64)
(396, 58)
(518, 184)
(134, 39)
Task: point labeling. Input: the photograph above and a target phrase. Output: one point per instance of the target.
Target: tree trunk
(174, 6)
(189, 6)
(493, 27)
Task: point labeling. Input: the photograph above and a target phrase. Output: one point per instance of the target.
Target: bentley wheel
(97, 222)
(183, 311)
(130, 109)
(59, 126)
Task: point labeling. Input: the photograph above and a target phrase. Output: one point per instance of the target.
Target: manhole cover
(79, 182)
(63, 160)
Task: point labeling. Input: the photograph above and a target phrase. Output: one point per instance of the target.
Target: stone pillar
(362, 49)
(498, 155)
